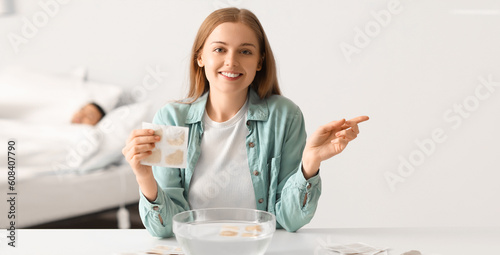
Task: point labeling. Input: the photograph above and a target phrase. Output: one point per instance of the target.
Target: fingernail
(151, 131)
(157, 137)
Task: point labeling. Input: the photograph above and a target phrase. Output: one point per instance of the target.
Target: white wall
(411, 78)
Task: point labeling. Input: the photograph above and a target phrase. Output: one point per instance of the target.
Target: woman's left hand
(328, 141)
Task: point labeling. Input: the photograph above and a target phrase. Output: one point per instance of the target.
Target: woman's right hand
(138, 147)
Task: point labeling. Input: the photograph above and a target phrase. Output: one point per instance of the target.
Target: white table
(430, 241)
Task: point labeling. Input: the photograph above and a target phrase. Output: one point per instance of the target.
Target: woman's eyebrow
(243, 44)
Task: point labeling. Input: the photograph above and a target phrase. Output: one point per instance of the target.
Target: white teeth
(231, 75)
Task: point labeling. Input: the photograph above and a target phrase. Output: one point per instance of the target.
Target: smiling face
(230, 57)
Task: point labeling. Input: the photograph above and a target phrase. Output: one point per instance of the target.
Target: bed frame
(47, 198)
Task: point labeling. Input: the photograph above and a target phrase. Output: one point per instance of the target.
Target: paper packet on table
(166, 250)
(171, 150)
(158, 250)
(356, 248)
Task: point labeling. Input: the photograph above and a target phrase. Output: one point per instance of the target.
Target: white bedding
(39, 97)
(43, 148)
(36, 109)
(62, 169)
(55, 197)
(61, 148)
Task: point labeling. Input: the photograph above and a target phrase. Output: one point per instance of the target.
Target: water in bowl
(224, 238)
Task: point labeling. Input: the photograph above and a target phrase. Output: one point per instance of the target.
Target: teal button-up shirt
(274, 147)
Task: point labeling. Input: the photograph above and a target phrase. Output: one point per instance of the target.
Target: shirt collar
(257, 108)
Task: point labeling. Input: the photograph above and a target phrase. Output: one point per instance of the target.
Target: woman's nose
(231, 59)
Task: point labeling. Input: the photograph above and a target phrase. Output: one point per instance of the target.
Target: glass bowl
(224, 231)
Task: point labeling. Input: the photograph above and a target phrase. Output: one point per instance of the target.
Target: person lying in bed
(89, 114)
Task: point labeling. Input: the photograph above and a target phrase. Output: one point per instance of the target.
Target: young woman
(247, 143)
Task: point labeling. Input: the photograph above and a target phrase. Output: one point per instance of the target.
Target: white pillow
(114, 129)
(47, 98)
(40, 97)
(103, 94)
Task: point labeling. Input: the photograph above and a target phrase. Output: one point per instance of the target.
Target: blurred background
(426, 72)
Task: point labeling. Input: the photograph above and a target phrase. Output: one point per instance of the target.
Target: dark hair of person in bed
(101, 111)
(89, 114)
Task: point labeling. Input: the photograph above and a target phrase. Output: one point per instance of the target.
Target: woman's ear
(261, 62)
(200, 61)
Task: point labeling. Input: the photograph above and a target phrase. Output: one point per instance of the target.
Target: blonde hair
(265, 82)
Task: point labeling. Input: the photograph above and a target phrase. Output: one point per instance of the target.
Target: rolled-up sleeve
(291, 211)
(169, 201)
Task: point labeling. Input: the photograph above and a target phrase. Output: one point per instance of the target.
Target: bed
(65, 170)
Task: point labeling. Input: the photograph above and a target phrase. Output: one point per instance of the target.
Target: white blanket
(70, 148)
(47, 148)
(35, 111)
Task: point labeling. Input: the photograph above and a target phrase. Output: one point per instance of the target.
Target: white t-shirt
(222, 176)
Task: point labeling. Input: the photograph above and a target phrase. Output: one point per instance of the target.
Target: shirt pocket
(274, 168)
